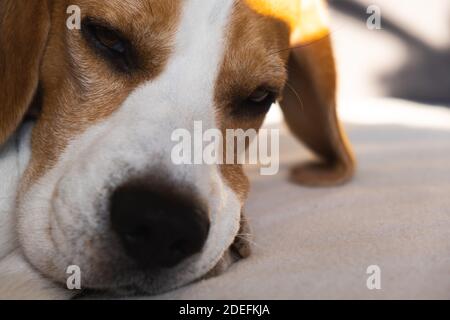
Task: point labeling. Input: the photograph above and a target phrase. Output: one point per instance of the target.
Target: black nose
(158, 229)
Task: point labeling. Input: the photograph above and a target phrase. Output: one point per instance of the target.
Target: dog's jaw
(52, 247)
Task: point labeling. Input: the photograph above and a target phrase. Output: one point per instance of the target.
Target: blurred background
(409, 58)
(396, 75)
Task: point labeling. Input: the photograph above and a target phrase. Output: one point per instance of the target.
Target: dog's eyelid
(266, 91)
(105, 30)
(99, 22)
(110, 39)
(110, 42)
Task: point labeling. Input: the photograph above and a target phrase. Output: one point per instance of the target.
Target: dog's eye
(261, 99)
(110, 44)
(109, 39)
(256, 104)
(260, 96)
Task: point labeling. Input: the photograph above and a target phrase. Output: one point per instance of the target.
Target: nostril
(158, 229)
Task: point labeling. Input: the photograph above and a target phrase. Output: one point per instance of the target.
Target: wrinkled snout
(158, 229)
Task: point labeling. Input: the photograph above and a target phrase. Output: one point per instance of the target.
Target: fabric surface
(318, 243)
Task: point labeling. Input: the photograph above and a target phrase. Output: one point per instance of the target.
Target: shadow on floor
(424, 76)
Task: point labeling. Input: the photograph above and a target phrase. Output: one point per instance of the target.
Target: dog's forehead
(137, 18)
(129, 12)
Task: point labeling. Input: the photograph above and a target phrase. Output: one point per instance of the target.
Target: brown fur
(258, 53)
(79, 88)
(254, 56)
(309, 106)
(20, 58)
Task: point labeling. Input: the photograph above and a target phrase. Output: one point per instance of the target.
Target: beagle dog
(91, 183)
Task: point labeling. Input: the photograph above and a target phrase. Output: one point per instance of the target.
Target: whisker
(291, 87)
(244, 234)
(335, 30)
(303, 45)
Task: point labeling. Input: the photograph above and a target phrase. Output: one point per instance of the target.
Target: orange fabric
(307, 19)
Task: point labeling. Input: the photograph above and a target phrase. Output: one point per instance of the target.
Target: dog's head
(102, 190)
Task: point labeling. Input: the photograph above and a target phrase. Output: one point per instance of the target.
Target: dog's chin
(140, 283)
(133, 281)
(124, 279)
(121, 277)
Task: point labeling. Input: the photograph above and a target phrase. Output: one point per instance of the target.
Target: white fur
(14, 156)
(72, 198)
(18, 280)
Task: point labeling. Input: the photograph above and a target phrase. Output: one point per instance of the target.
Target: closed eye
(110, 44)
(257, 103)
(262, 96)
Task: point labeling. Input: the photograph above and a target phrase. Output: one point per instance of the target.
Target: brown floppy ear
(24, 27)
(309, 102)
